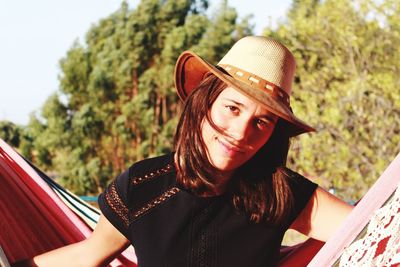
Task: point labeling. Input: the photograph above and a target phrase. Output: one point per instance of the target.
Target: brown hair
(259, 187)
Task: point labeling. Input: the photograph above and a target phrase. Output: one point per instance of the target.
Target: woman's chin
(226, 164)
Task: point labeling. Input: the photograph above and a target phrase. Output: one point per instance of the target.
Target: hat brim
(190, 70)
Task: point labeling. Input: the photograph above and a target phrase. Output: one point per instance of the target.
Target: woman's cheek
(220, 119)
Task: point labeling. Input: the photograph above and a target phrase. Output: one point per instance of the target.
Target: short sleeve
(302, 190)
(113, 203)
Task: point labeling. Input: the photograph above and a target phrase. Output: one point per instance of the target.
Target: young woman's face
(246, 125)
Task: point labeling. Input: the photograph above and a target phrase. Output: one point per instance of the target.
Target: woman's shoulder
(294, 177)
(150, 167)
(289, 172)
(300, 185)
(144, 178)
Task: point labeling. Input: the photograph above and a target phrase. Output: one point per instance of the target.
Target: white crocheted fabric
(380, 246)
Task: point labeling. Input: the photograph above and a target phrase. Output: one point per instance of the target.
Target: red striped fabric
(33, 219)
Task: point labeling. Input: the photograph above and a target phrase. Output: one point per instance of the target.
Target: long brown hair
(259, 187)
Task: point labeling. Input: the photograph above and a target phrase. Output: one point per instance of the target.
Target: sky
(35, 35)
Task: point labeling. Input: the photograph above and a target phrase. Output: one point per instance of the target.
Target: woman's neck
(220, 181)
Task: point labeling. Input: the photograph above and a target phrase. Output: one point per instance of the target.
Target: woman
(225, 197)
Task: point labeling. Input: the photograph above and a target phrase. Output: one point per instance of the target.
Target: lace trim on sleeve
(155, 202)
(119, 207)
(115, 202)
(139, 180)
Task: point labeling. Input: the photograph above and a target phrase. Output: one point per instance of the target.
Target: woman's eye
(232, 109)
(263, 123)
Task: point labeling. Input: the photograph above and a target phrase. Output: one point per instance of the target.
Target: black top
(169, 226)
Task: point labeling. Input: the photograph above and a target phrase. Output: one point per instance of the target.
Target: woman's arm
(105, 243)
(322, 215)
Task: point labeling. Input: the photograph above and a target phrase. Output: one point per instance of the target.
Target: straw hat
(259, 67)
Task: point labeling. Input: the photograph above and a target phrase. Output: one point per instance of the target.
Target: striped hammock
(37, 215)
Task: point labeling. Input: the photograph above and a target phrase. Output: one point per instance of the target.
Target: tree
(17, 136)
(118, 99)
(348, 60)
(10, 133)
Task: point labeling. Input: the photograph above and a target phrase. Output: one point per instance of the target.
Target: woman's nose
(240, 130)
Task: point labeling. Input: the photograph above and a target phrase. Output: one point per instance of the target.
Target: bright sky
(35, 35)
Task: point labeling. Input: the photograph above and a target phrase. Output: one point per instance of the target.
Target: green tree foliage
(117, 102)
(17, 136)
(347, 86)
(10, 133)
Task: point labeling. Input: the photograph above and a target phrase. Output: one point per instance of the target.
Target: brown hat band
(257, 82)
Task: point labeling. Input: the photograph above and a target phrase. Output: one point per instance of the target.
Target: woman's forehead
(230, 92)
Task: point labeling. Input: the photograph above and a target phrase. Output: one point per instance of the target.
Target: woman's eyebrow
(233, 101)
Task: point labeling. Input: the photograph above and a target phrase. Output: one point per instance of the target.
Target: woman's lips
(229, 148)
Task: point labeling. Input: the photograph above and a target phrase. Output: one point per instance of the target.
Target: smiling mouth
(230, 148)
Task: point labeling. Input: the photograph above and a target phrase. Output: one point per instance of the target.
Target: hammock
(34, 218)
(370, 235)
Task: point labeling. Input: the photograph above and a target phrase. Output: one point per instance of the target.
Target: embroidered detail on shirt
(163, 197)
(204, 244)
(117, 205)
(138, 180)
